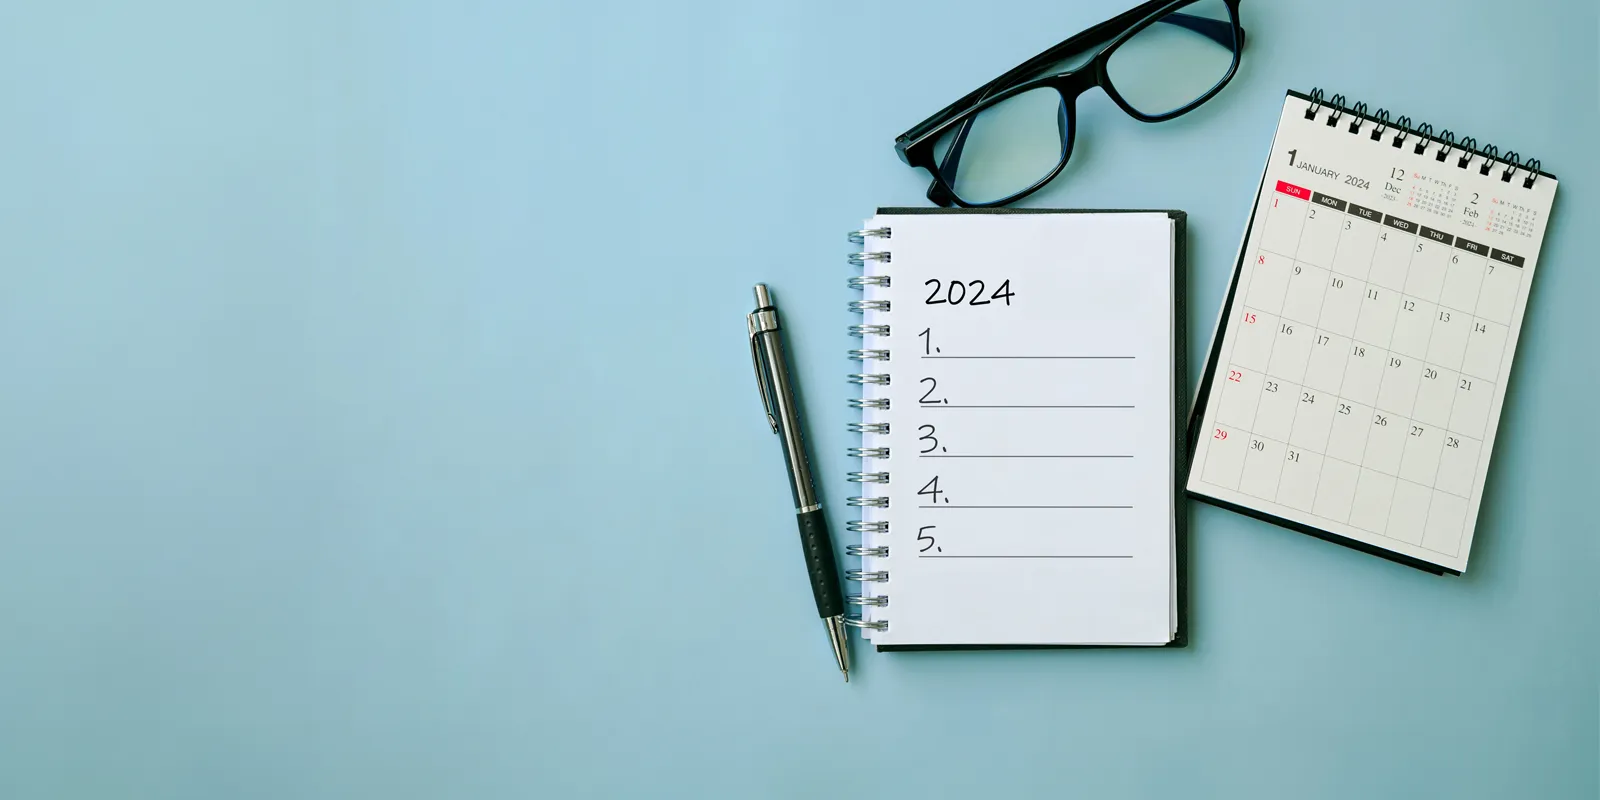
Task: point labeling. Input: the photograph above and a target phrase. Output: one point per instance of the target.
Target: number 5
(922, 536)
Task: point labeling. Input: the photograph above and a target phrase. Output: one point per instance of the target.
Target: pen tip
(846, 676)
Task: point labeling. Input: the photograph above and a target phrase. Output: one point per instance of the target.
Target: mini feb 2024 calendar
(1355, 380)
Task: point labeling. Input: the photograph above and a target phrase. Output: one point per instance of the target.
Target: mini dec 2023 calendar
(1354, 385)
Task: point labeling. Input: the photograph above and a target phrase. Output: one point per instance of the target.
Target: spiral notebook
(1356, 375)
(1022, 401)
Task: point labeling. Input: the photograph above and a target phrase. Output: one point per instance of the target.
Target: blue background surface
(378, 419)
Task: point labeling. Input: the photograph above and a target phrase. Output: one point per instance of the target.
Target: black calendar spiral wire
(1444, 144)
(864, 576)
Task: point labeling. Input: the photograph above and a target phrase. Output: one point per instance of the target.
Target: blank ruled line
(1042, 358)
(1024, 556)
(936, 455)
(950, 506)
(951, 405)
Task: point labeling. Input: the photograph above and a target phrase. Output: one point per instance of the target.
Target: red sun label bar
(1294, 191)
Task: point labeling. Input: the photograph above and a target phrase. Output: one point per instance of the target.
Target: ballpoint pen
(777, 397)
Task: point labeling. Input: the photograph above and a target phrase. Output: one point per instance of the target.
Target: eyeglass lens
(1012, 145)
(1007, 148)
(1175, 61)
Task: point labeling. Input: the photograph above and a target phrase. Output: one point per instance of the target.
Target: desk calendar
(1355, 380)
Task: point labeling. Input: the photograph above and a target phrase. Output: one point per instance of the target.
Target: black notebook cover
(1180, 404)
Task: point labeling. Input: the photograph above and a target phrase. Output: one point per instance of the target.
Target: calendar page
(1359, 366)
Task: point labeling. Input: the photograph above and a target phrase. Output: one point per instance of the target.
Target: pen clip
(761, 378)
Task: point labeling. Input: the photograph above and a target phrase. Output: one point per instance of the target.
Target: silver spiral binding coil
(862, 551)
(861, 236)
(879, 625)
(1444, 144)
(871, 329)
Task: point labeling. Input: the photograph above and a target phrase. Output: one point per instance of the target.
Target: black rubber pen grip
(820, 564)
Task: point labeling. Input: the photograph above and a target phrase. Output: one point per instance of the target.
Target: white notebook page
(1031, 434)
(1364, 358)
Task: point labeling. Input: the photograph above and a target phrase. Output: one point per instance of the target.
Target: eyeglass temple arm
(1217, 30)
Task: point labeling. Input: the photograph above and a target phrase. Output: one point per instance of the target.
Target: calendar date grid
(1337, 273)
(1289, 446)
(1378, 329)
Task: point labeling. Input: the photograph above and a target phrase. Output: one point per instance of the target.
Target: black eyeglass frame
(915, 147)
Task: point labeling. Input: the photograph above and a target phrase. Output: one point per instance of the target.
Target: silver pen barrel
(767, 331)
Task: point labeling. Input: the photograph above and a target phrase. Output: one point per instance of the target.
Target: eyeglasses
(1013, 135)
